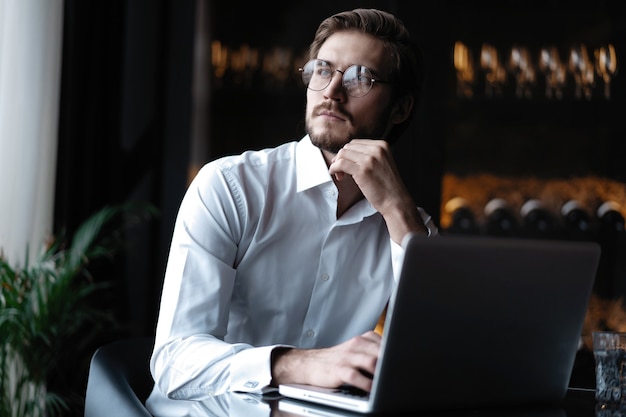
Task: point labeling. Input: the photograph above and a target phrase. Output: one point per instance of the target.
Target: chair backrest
(119, 380)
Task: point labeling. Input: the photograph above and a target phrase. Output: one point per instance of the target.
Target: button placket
(322, 289)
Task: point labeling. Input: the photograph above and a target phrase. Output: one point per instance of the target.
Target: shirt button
(310, 333)
(331, 193)
(325, 277)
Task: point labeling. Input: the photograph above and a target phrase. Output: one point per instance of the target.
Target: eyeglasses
(356, 79)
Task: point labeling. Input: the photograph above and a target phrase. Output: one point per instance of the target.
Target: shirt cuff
(251, 370)
(397, 256)
(428, 222)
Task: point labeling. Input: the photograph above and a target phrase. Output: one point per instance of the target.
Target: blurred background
(523, 101)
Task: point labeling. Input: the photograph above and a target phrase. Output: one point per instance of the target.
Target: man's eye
(323, 72)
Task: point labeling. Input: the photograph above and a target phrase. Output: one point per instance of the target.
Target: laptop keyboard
(352, 391)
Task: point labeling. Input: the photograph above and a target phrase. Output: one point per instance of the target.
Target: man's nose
(335, 88)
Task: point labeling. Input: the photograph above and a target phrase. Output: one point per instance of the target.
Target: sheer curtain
(30, 68)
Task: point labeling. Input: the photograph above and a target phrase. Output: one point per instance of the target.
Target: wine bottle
(500, 219)
(537, 220)
(577, 222)
(612, 239)
(610, 217)
(462, 218)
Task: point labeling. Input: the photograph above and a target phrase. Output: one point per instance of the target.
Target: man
(282, 260)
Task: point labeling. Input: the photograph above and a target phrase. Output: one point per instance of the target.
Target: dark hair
(406, 68)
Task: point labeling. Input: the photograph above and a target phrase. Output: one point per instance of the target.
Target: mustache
(334, 107)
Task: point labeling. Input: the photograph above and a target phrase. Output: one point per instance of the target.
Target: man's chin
(331, 145)
(329, 141)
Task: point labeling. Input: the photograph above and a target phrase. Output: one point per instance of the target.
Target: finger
(335, 171)
(367, 146)
(342, 166)
(366, 363)
(372, 335)
(361, 372)
(359, 380)
(365, 350)
(365, 157)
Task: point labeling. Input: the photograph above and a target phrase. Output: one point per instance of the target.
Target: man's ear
(402, 110)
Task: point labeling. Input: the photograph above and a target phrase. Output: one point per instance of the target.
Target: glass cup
(609, 351)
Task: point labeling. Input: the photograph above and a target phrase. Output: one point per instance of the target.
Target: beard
(331, 138)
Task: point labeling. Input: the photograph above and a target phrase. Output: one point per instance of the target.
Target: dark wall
(124, 133)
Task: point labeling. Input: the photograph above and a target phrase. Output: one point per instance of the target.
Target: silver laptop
(476, 322)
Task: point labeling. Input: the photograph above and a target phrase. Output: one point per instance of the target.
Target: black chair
(119, 380)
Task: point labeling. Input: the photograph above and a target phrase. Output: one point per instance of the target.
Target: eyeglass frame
(343, 84)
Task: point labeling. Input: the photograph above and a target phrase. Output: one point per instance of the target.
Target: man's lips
(331, 114)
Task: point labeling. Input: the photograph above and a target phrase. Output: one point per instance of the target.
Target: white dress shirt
(258, 259)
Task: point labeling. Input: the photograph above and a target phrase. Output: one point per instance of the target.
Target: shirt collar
(312, 171)
(311, 168)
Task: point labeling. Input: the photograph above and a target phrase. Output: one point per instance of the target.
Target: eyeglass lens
(356, 79)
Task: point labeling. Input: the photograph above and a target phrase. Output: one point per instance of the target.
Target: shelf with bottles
(588, 208)
(258, 69)
(579, 71)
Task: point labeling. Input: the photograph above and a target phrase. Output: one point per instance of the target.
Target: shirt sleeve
(397, 250)
(200, 366)
(191, 359)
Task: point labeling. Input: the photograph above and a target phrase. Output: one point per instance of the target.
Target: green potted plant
(46, 308)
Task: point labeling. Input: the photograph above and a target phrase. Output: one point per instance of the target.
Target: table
(577, 403)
